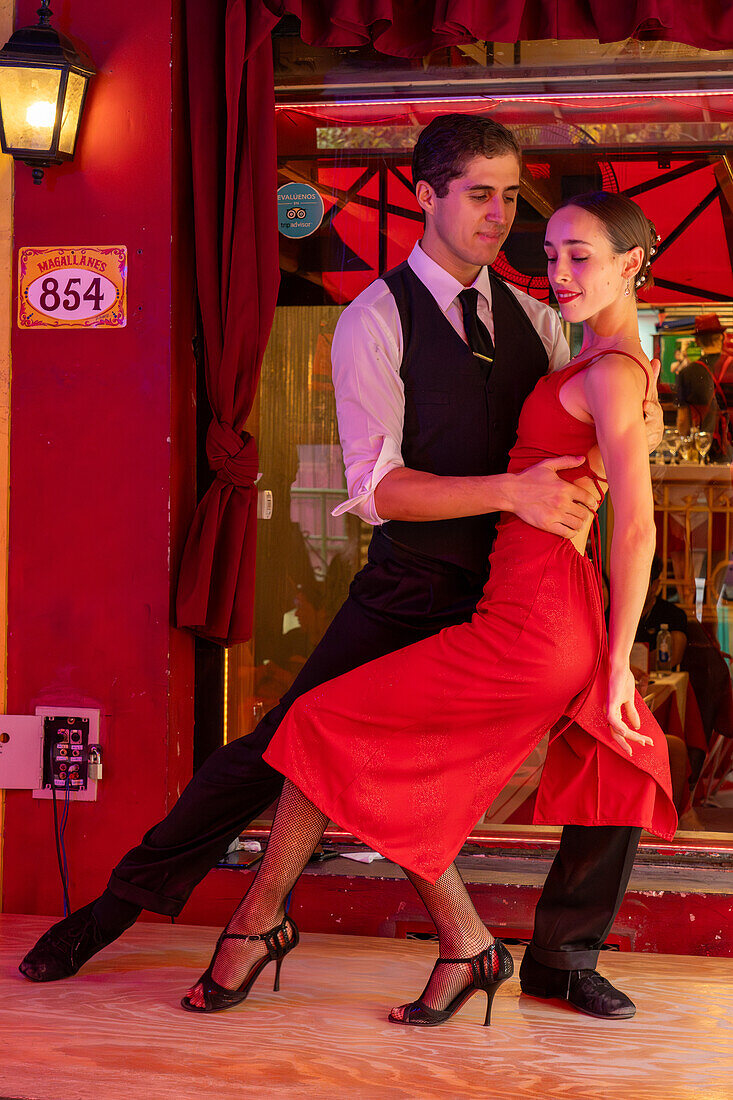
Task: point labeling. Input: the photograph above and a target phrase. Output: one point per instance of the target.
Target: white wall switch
(264, 504)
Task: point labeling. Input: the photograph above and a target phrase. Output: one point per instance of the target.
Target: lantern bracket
(44, 14)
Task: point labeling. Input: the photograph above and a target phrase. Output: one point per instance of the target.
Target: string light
(488, 100)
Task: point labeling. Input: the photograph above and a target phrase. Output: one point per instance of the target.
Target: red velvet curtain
(231, 92)
(412, 28)
(232, 107)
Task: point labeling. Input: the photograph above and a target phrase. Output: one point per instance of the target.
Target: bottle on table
(664, 649)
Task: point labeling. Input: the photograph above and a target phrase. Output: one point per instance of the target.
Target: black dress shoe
(66, 946)
(586, 990)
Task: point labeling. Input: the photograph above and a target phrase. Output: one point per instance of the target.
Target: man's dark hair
(708, 339)
(656, 569)
(450, 141)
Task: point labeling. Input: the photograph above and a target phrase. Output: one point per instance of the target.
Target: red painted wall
(102, 460)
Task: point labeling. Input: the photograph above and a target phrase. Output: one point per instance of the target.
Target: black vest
(458, 422)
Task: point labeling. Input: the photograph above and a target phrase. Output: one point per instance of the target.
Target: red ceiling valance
(412, 28)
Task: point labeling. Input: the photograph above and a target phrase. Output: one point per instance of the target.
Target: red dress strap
(639, 364)
(583, 363)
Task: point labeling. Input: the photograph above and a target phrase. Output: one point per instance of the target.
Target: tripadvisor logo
(299, 210)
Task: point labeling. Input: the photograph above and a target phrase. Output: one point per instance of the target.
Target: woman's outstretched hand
(621, 712)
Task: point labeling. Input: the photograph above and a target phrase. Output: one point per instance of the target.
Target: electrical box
(65, 752)
(71, 753)
(56, 749)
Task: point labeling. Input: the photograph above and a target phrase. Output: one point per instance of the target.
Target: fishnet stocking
(296, 832)
(461, 934)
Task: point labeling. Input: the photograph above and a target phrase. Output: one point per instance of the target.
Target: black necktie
(477, 334)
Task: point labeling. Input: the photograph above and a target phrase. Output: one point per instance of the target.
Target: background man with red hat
(699, 384)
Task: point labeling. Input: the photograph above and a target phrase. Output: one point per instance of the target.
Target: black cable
(67, 904)
(62, 836)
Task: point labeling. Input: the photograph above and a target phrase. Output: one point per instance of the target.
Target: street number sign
(76, 287)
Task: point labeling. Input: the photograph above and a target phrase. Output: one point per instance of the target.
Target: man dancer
(431, 366)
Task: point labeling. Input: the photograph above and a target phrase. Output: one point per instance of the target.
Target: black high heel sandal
(278, 941)
(489, 970)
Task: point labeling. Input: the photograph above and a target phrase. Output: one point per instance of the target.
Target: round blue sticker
(299, 210)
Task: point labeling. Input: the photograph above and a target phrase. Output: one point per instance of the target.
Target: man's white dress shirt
(366, 355)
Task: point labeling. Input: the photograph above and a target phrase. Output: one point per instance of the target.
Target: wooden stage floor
(116, 1031)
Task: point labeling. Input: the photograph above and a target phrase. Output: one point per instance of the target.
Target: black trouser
(397, 598)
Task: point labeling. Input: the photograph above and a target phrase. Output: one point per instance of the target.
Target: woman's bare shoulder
(618, 367)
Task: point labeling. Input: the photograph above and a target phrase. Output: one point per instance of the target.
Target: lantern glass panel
(75, 87)
(28, 100)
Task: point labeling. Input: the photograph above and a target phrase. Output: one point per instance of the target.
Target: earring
(628, 288)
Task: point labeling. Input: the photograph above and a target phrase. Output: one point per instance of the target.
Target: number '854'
(52, 298)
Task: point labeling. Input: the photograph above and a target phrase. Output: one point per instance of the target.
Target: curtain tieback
(232, 455)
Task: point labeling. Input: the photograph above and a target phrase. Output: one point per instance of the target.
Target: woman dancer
(407, 751)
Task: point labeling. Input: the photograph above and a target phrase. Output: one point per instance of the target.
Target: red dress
(406, 752)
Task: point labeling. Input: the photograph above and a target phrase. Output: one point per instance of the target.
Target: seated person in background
(657, 611)
(711, 683)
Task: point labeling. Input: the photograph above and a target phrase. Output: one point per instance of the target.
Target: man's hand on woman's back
(545, 500)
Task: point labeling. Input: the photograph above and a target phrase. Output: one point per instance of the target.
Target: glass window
(671, 153)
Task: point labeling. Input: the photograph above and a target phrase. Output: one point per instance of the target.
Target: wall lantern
(43, 85)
